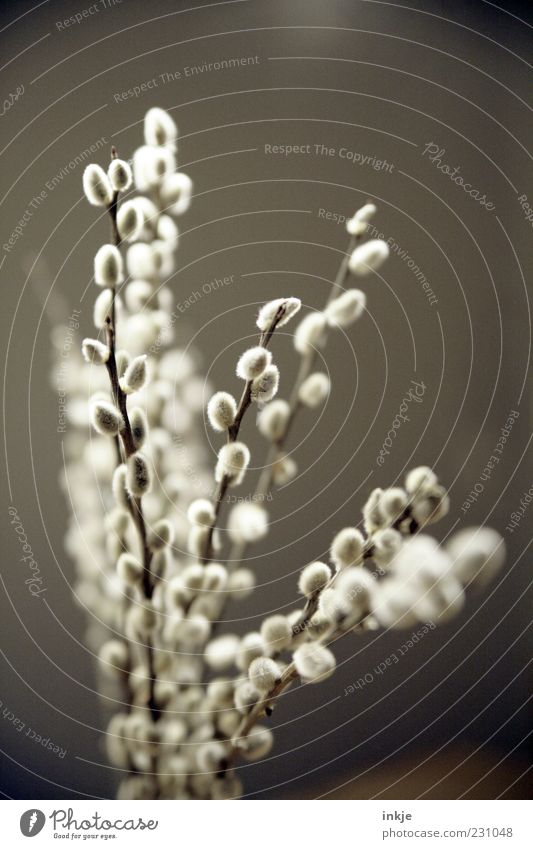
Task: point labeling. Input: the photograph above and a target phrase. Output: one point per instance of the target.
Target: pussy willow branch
(127, 447)
(264, 706)
(232, 434)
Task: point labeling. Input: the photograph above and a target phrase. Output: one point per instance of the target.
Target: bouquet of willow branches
(145, 530)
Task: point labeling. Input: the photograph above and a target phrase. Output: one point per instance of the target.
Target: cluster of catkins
(194, 702)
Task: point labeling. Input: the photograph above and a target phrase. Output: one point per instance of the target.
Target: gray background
(386, 79)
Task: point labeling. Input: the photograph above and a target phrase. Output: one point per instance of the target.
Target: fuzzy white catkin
(94, 351)
(478, 555)
(167, 230)
(287, 307)
(113, 657)
(139, 426)
(247, 523)
(162, 534)
(265, 387)
(332, 606)
(356, 226)
(221, 411)
(253, 362)
(201, 512)
(140, 261)
(420, 478)
(129, 221)
(368, 257)
(105, 418)
(215, 578)
(129, 569)
(314, 578)
(222, 652)
(246, 695)
(123, 360)
(257, 744)
(346, 309)
(314, 662)
(309, 334)
(137, 295)
(102, 308)
(251, 647)
(276, 633)
(347, 548)
(355, 586)
(233, 460)
(314, 390)
(392, 503)
(135, 376)
(176, 193)
(264, 673)
(108, 266)
(272, 420)
(284, 470)
(120, 176)
(119, 487)
(241, 583)
(159, 127)
(96, 186)
(139, 479)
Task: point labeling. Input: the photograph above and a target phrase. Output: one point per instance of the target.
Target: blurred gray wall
(380, 81)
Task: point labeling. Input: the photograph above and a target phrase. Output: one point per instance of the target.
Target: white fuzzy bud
(392, 503)
(105, 418)
(222, 652)
(233, 460)
(314, 578)
(139, 426)
(123, 360)
(137, 295)
(210, 755)
(310, 332)
(250, 648)
(246, 695)
(332, 606)
(284, 470)
(140, 261)
(347, 548)
(215, 578)
(368, 257)
(102, 308)
(167, 230)
(372, 514)
(139, 478)
(129, 569)
(159, 127)
(108, 266)
(314, 662)
(253, 362)
(120, 491)
(257, 744)
(94, 351)
(420, 479)
(264, 673)
(201, 512)
(130, 221)
(356, 226)
(119, 174)
(96, 186)
(247, 522)
(286, 308)
(314, 390)
(221, 411)
(241, 584)
(478, 555)
(162, 534)
(276, 633)
(386, 544)
(346, 309)
(265, 387)
(355, 587)
(272, 420)
(135, 376)
(176, 193)
(113, 657)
